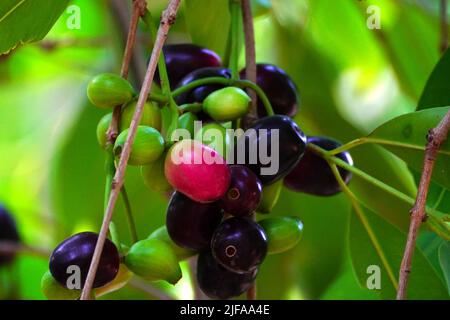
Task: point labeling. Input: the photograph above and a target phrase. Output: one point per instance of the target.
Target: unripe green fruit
(102, 129)
(162, 234)
(186, 121)
(227, 104)
(283, 233)
(123, 276)
(154, 177)
(151, 115)
(214, 136)
(148, 145)
(53, 290)
(153, 260)
(108, 90)
(270, 195)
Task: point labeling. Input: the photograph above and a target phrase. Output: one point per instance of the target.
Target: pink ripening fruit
(197, 171)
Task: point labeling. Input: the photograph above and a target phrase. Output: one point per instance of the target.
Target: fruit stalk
(362, 217)
(227, 82)
(435, 138)
(436, 221)
(234, 57)
(168, 18)
(250, 57)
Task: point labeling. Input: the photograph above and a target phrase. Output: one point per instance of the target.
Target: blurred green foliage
(351, 79)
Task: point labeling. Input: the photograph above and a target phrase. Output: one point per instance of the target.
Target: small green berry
(215, 136)
(227, 104)
(162, 234)
(151, 115)
(108, 90)
(186, 121)
(283, 233)
(53, 290)
(270, 195)
(123, 277)
(148, 145)
(102, 129)
(154, 177)
(153, 260)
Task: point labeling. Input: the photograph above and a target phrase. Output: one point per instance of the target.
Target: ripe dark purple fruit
(182, 59)
(239, 244)
(313, 174)
(191, 224)
(200, 93)
(272, 149)
(279, 88)
(219, 283)
(78, 251)
(244, 193)
(8, 232)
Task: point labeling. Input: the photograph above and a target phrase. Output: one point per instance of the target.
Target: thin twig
(148, 288)
(250, 74)
(250, 59)
(444, 26)
(10, 247)
(139, 7)
(435, 138)
(167, 19)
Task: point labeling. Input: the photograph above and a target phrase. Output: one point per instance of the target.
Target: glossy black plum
(244, 194)
(182, 59)
(219, 283)
(239, 244)
(313, 174)
(200, 93)
(279, 88)
(78, 251)
(8, 232)
(272, 149)
(191, 224)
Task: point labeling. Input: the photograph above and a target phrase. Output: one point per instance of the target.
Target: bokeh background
(350, 78)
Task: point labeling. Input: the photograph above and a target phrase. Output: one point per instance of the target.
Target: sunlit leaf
(437, 89)
(208, 22)
(405, 136)
(23, 21)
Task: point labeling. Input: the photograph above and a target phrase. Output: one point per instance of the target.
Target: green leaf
(374, 242)
(444, 258)
(405, 136)
(437, 94)
(205, 18)
(23, 21)
(437, 89)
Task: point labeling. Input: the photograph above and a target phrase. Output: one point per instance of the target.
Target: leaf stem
(129, 214)
(383, 186)
(362, 217)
